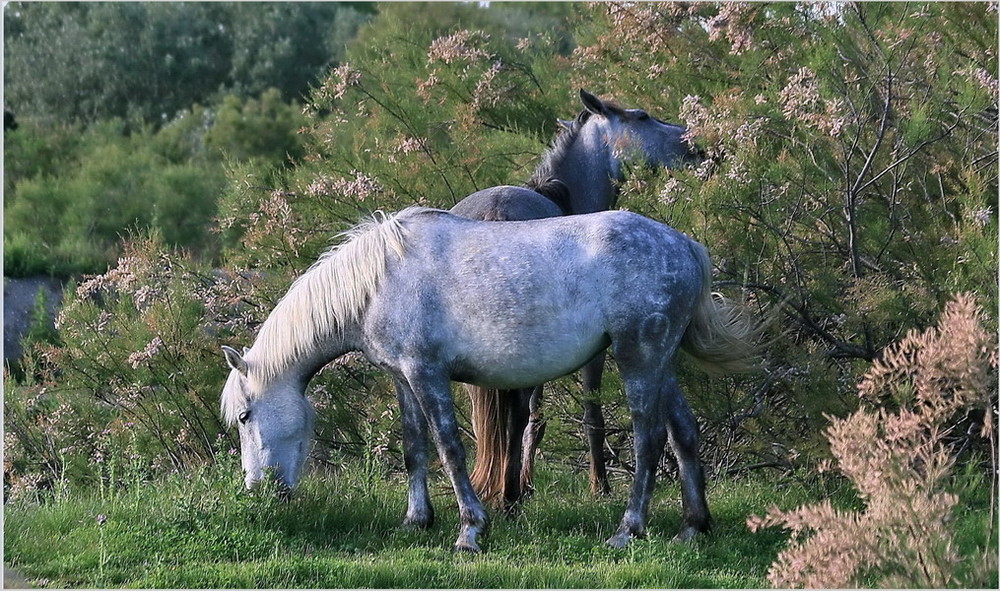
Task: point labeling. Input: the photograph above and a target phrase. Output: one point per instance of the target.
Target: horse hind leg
(517, 421)
(645, 357)
(651, 433)
(683, 432)
(534, 430)
(650, 439)
(594, 427)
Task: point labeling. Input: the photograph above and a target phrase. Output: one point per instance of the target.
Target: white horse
(431, 297)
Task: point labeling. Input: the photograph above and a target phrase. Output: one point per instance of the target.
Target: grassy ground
(201, 530)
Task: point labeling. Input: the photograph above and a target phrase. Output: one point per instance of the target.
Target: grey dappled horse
(430, 297)
(579, 174)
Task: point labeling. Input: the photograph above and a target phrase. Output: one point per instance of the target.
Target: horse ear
(565, 124)
(234, 359)
(592, 103)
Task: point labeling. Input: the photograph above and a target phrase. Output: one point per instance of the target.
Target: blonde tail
(489, 424)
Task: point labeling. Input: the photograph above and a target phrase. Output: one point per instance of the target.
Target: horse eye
(244, 417)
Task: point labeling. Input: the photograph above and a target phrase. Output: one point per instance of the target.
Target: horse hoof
(619, 541)
(467, 548)
(686, 534)
(417, 523)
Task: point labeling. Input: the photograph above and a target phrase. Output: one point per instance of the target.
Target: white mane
(331, 294)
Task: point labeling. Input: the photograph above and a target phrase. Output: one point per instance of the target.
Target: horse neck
(302, 367)
(589, 170)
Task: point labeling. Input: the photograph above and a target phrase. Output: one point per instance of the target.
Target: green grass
(201, 530)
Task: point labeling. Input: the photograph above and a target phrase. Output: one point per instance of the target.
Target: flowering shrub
(131, 378)
(900, 460)
(426, 112)
(831, 184)
(136, 378)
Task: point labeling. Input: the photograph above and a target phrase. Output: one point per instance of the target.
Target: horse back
(610, 252)
(507, 203)
(512, 304)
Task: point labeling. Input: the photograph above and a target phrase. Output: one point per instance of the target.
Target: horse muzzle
(274, 480)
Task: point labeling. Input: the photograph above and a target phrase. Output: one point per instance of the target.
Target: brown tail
(489, 424)
(722, 337)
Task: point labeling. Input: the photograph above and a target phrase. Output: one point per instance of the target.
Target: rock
(12, 580)
(18, 300)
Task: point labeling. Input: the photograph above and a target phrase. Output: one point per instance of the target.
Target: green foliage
(30, 151)
(71, 194)
(842, 140)
(144, 62)
(40, 329)
(183, 138)
(70, 219)
(134, 375)
(266, 129)
(427, 110)
(41, 334)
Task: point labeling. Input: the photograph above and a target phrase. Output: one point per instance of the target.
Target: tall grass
(340, 530)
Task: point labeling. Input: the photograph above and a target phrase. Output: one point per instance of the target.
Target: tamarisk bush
(135, 377)
(850, 172)
(900, 460)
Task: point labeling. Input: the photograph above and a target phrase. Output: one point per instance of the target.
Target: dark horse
(578, 175)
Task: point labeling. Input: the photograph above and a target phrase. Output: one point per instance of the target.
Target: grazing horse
(579, 174)
(430, 297)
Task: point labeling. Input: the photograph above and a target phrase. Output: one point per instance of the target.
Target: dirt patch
(18, 300)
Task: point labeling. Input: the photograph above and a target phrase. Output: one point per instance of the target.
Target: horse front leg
(419, 512)
(433, 392)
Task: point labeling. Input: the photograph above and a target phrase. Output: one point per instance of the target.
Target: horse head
(636, 137)
(274, 419)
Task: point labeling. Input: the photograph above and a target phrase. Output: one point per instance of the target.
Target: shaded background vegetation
(182, 163)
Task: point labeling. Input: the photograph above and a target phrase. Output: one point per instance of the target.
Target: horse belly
(527, 351)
